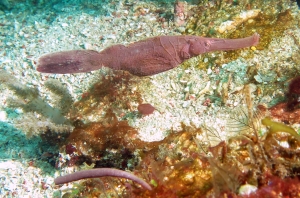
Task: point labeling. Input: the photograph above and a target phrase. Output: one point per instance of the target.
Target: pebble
(3, 116)
(64, 25)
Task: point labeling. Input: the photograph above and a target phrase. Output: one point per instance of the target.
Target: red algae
(281, 112)
(112, 92)
(278, 187)
(146, 109)
(294, 87)
(289, 111)
(179, 165)
(293, 94)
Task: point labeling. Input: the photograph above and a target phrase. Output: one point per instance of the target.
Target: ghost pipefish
(142, 58)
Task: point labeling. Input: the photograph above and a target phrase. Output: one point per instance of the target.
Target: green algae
(275, 127)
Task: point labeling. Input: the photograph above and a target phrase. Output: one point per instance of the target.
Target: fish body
(143, 58)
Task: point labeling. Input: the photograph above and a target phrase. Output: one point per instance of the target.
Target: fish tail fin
(66, 62)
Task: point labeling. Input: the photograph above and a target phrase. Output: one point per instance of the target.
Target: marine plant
(252, 155)
(249, 156)
(289, 110)
(28, 99)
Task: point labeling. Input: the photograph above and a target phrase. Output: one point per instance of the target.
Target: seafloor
(208, 111)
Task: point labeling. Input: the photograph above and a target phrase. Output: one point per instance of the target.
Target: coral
(30, 101)
(32, 124)
(62, 98)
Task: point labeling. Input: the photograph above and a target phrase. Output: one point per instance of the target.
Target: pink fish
(142, 58)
